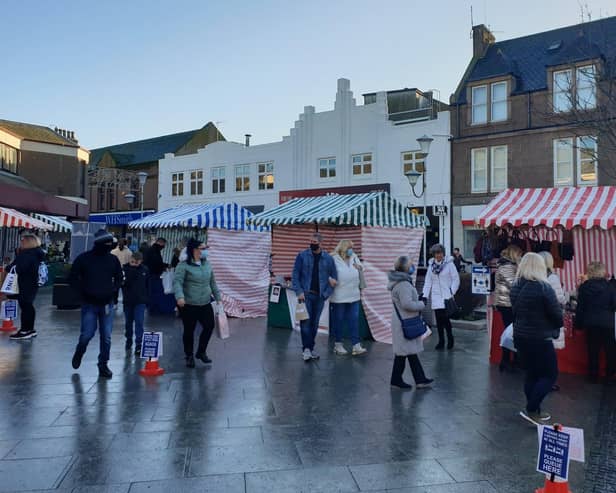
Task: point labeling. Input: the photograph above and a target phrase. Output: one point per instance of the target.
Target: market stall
(57, 245)
(380, 227)
(577, 225)
(239, 252)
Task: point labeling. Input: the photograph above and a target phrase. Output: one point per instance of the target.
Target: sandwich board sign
(553, 457)
(152, 345)
(480, 279)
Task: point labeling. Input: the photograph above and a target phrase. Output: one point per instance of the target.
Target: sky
(123, 70)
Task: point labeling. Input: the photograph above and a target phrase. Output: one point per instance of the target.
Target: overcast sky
(119, 70)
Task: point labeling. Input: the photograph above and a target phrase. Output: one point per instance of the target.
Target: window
(563, 162)
(196, 182)
(585, 85)
(177, 184)
(327, 168)
(242, 178)
(8, 158)
(498, 168)
(218, 180)
(362, 164)
(480, 104)
(479, 170)
(413, 160)
(498, 102)
(561, 92)
(266, 176)
(587, 161)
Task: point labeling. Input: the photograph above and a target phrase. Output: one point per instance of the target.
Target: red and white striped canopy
(10, 218)
(567, 207)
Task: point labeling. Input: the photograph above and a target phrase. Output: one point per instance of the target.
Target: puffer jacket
(503, 280)
(405, 298)
(440, 287)
(195, 283)
(596, 305)
(537, 315)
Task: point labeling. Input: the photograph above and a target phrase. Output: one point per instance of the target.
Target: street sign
(480, 279)
(152, 345)
(554, 454)
(439, 210)
(8, 310)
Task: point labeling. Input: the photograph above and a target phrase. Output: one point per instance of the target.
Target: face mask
(412, 270)
(314, 247)
(203, 254)
(349, 252)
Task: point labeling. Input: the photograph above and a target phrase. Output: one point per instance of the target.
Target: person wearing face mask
(442, 283)
(344, 302)
(97, 276)
(194, 285)
(313, 280)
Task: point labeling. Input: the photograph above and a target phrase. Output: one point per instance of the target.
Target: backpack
(43, 274)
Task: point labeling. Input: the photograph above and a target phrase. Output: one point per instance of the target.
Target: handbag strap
(396, 308)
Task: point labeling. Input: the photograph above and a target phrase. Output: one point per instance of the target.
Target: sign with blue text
(152, 345)
(554, 453)
(480, 279)
(9, 310)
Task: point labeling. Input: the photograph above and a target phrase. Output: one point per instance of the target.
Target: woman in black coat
(26, 265)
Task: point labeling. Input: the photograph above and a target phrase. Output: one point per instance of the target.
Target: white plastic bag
(301, 312)
(507, 338)
(222, 322)
(10, 284)
(167, 278)
(426, 334)
(560, 342)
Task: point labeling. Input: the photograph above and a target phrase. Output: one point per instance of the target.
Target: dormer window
(480, 104)
(497, 103)
(574, 88)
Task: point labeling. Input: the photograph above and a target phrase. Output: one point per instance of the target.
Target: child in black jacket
(135, 292)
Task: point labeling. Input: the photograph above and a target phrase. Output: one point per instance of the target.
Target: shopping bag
(560, 342)
(301, 313)
(222, 323)
(507, 338)
(10, 284)
(426, 334)
(167, 278)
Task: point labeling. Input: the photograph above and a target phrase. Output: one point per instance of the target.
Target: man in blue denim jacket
(314, 279)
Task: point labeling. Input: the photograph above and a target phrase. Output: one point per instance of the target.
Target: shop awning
(118, 218)
(59, 224)
(365, 209)
(228, 216)
(10, 218)
(567, 207)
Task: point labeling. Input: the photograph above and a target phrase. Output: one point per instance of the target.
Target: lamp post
(413, 177)
(143, 176)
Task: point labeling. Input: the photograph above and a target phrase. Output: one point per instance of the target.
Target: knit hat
(101, 237)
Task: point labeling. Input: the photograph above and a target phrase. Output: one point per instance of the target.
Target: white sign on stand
(480, 280)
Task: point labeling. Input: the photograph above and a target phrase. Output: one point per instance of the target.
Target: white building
(352, 145)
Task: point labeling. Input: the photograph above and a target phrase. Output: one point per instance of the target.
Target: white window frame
(569, 143)
(418, 158)
(219, 177)
(244, 176)
(268, 171)
(196, 179)
(493, 150)
(557, 91)
(362, 163)
(328, 162)
(581, 160)
(473, 152)
(177, 184)
(591, 103)
(494, 101)
(473, 105)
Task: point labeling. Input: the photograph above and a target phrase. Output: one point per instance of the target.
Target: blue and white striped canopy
(364, 209)
(59, 224)
(228, 216)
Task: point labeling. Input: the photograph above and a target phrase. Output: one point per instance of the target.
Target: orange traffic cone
(552, 487)
(7, 326)
(151, 369)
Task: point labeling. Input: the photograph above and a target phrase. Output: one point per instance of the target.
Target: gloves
(423, 299)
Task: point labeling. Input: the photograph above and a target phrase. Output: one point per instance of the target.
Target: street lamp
(130, 198)
(143, 176)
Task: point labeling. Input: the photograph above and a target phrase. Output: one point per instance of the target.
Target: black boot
(104, 371)
(441, 339)
(449, 337)
(396, 373)
(79, 352)
(190, 361)
(203, 357)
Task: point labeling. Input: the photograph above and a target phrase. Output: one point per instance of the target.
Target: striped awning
(59, 224)
(228, 216)
(567, 207)
(10, 218)
(365, 209)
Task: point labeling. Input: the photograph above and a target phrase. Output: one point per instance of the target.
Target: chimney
(247, 139)
(482, 39)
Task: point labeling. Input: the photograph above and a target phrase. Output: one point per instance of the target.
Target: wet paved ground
(260, 419)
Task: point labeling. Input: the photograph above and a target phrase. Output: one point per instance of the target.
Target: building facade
(353, 145)
(531, 112)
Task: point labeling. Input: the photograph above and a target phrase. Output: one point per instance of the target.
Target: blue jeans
(309, 328)
(134, 314)
(341, 312)
(93, 317)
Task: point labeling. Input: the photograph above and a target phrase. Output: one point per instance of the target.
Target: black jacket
(97, 276)
(537, 315)
(596, 305)
(136, 285)
(26, 265)
(153, 260)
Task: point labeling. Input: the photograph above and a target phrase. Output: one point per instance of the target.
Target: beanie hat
(102, 236)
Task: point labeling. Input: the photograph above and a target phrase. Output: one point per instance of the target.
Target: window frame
(473, 166)
(473, 105)
(197, 181)
(265, 186)
(414, 161)
(362, 163)
(6, 163)
(556, 162)
(177, 184)
(219, 178)
(493, 150)
(556, 90)
(579, 161)
(593, 86)
(245, 177)
(500, 101)
(328, 168)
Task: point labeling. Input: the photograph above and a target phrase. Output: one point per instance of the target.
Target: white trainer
(358, 349)
(339, 349)
(307, 355)
(314, 354)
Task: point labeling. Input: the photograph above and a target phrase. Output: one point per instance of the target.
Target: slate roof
(142, 151)
(37, 133)
(528, 57)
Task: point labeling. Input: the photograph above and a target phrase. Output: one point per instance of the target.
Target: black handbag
(413, 327)
(452, 307)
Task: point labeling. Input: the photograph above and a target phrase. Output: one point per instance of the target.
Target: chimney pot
(482, 39)
(247, 139)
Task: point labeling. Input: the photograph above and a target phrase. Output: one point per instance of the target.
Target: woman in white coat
(406, 301)
(442, 283)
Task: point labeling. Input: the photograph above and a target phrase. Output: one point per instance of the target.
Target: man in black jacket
(97, 276)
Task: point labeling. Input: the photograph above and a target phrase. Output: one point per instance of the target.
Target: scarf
(438, 267)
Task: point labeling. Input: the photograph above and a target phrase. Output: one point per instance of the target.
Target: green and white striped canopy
(365, 209)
